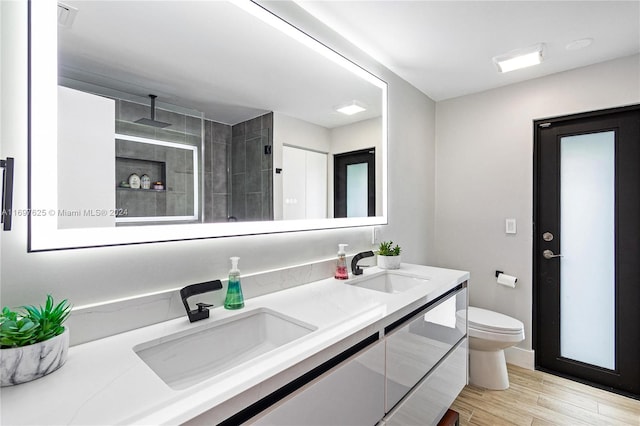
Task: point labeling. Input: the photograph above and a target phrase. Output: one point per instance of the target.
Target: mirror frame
(43, 232)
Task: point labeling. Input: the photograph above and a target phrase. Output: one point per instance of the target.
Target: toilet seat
(493, 322)
(490, 333)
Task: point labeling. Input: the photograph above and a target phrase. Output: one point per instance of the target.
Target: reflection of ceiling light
(66, 15)
(351, 108)
(579, 44)
(520, 58)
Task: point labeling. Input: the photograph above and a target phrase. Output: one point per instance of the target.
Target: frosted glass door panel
(587, 268)
(357, 190)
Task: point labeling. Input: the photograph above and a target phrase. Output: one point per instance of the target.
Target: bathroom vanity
(386, 347)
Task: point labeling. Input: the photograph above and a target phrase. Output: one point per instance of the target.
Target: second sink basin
(391, 282)
(184, 359)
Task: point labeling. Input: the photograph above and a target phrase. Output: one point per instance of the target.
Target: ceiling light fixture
(66, 15)
(520, 58)
(351, 108)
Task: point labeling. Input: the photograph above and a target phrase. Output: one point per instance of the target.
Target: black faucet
(354, 262)
(203, 308)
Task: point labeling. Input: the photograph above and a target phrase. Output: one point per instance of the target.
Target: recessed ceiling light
(351, 108)
(66, 15)
(520, 58)
(579, 44)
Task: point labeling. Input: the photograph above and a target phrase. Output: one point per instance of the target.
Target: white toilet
(489, 334)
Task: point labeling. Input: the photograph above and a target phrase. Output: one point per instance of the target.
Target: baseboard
(524, 358)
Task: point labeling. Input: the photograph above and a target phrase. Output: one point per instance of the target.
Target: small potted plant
(388, 255)
(33, 341)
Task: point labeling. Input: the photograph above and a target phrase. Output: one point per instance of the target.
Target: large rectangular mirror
(171, 120)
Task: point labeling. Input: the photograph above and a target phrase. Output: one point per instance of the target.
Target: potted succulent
(33, 341)
(388, 255)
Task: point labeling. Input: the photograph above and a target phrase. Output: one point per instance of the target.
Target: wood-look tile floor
(535, 398)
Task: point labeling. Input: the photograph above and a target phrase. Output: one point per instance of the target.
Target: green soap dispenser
(234, 299)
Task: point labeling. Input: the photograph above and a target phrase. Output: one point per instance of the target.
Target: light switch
(375, 235)
(510, 226)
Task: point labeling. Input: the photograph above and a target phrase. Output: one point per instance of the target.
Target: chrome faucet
(194, 289)
(354, 262)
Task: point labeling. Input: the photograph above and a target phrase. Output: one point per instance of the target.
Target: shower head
(152, 121)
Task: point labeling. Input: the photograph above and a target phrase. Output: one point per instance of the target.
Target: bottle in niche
(234, 299)
(145, 182)
(341, 265)
(134, 181)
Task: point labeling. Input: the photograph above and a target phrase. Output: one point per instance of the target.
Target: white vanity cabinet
(363, 344)
(419, 341)
(426, 364)
(412, 375)
(350, 394)
(428, 402)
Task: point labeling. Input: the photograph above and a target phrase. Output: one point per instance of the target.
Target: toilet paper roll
(507, 280)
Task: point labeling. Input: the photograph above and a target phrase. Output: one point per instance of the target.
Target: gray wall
(485, 174)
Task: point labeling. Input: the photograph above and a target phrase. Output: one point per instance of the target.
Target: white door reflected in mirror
(304, 183)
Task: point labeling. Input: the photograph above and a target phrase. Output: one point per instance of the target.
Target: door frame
(538, 125)
(340, 162)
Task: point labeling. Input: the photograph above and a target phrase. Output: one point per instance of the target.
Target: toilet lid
(483, 319)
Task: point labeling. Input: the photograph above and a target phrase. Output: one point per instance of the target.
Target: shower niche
(173, 166)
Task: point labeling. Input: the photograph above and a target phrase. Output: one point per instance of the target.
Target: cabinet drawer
(428, 402)
(417, 346)
(352, 394)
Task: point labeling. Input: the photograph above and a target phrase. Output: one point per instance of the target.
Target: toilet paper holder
(501, 272)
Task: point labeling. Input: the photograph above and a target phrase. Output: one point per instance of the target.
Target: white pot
(26, 363)
(389, 262)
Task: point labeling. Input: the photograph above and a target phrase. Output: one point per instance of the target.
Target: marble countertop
(105, 382)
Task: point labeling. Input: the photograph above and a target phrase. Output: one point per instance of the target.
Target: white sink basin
(184, 359)
(391, 283)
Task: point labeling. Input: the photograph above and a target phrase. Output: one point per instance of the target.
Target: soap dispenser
(342, 273)
(234, 299)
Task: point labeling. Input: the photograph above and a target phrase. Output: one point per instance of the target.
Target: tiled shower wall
(252, 169)
(217, 139)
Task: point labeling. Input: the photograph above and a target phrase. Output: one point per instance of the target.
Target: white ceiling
(214, 57)
(209, 56)
(444, 48)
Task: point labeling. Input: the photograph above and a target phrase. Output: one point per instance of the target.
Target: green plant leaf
(33, 324)
(26, 326)
(386, 249)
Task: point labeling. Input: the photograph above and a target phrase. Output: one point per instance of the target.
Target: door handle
(548, 254)
(7, 193)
